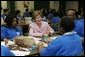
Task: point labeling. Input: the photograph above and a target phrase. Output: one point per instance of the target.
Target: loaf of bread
(24, 41)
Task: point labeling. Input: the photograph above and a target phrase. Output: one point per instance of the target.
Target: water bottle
(45, 37)
(33, 48)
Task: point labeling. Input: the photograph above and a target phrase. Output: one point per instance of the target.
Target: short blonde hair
(71, 12)
(36, 13)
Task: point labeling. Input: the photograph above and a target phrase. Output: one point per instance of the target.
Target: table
(16, 52)
(29, 52)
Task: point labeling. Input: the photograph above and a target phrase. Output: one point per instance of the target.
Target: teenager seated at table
(39, 27)
(55, 21)
(5, 51)
(11, 29)
(69, 44)
(79, 24)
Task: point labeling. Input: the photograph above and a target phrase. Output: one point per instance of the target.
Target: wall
(3, 5)
(54, 5)
(72, 5)
(19, 5)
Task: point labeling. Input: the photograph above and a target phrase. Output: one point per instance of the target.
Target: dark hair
(26, 9)
(55, 14)
(9, 20)
(67, 24)
(72, 10)
(17, 12)
(5, 10)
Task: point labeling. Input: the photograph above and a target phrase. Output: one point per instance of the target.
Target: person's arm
(52, 48)
(51, 31)
(3, 33)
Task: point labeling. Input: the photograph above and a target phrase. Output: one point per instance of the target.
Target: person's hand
(40, 46)
(6, 41)
(46, 32)
(50, 34)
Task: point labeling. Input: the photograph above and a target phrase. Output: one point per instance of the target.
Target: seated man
(79, 24)
(69, 44)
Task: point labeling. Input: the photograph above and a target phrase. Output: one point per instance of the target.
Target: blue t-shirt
(26, 14)
(55, 19)
(50, 15)
(10, 33)
(5, 51)
(79, 27)
(67, 45)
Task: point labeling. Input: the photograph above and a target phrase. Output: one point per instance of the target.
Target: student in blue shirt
(11, 29)
(55, 18)
(55, 21)
(69, 44)
(5, 51)
(81, 20)
(79, 26)
(50, 14)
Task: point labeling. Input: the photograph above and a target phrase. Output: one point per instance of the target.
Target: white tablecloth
(20, 53)
(23, 53)
(16, 52)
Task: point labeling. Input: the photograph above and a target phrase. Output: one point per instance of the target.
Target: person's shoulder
(76, 22)
(44, 22)
(60, 38)
(77, 36)
(66, 37)
(32, 24)
(81, 20)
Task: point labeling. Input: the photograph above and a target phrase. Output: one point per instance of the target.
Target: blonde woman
(39, 27)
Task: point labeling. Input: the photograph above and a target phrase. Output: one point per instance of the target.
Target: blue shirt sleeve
(5, 51)
(19, 29)
(55, 19)
(63, 46)
(79, 28)
(3, 32)
(9, 33)
(53, 47)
